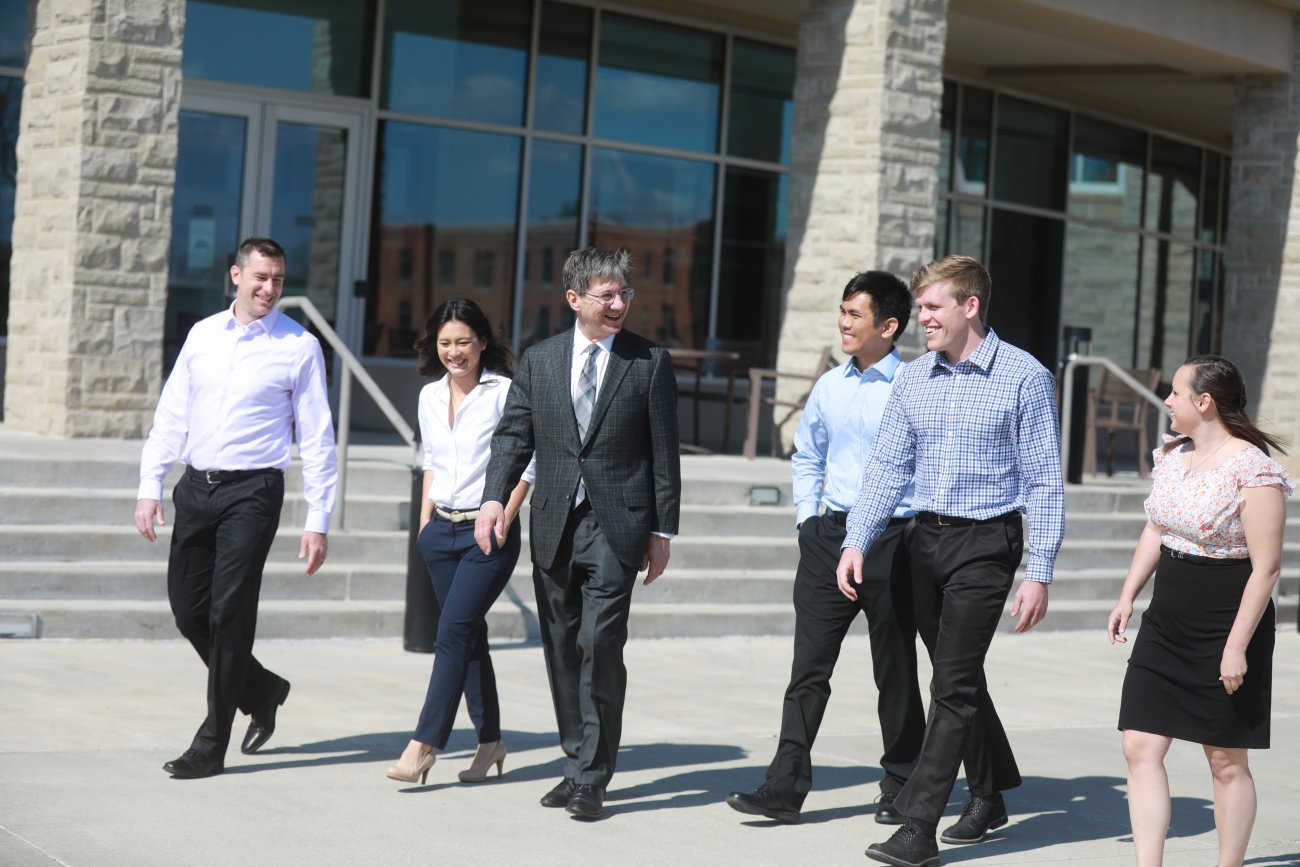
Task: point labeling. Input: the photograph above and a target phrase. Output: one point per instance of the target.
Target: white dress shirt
(580, 344)
(237, 398)
(458, 456)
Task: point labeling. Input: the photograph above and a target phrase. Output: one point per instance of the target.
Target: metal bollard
(422, 609)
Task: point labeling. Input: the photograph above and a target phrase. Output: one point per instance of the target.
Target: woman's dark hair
(1220, 379)
(496, 356)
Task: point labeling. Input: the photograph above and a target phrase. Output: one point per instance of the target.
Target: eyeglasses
(605, 300)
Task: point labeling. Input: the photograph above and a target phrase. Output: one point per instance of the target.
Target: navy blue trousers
(466, 582)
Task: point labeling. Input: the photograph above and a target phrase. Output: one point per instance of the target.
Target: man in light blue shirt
(834, 439)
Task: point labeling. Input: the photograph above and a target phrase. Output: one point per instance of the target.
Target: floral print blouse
(1200, 512)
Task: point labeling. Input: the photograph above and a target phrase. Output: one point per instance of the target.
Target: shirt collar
(266, 323)
(884, 369)
(981, 358)
(581, 341)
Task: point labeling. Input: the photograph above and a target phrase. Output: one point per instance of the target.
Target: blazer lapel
(614, 373)
(564, 361)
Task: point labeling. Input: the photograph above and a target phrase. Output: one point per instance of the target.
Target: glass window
(563, 55)
(1100, 291)
(661, 204)
(1165, 305)
(968, 230)
(11, 97)
(1025, 262)
(1173, 189)
(1031, 154)
(976, 132)
(947, 123)
(753, 263)
(658, 84)
(457, 58)
(439, 192)
(1207, 322)
(761, 110)
(1106, 172)
(554, 192)
(319, 47)
(1211, 199)
(13, 33)
(205, 221)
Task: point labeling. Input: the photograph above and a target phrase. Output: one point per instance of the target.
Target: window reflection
(1165, 309)
(563, 49)
(205, 221)
(457, 58)
(976, 135)
(1100, 290)
(753, 262)
(321, 47)
(1173, 188)
(761, 111)
(11, 96)
(1031, 154)
(647, 204)
(1106, 171)
(1025, 262)
(658, 84)
(555, 182)
(307, 211)
(1211, 198)
(447, 198)
(13, 33)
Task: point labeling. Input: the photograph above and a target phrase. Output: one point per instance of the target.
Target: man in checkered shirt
(973, 423)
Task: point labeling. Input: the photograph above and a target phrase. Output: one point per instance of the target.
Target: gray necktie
(583, 404)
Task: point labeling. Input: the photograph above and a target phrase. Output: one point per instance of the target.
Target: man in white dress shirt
(248, 381)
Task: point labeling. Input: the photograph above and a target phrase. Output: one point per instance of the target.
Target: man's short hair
(585, 266)
(967, 277)
(887, 294)
(268, 248)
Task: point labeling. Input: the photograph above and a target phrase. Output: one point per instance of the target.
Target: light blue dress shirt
(835, 435)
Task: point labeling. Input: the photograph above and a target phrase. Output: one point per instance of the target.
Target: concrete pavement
(86, 726)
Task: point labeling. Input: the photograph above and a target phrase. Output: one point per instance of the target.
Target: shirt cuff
(318, 521)
(1036, 570)
(803, 513)
(668, 536)
(150, 489)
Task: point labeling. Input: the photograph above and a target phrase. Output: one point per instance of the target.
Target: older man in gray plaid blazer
(598, 406)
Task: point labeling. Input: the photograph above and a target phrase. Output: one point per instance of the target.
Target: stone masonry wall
(1262, 293)
(96, 167)
(864, 162)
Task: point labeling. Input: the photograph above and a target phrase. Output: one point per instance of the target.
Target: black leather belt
(217, 477)
(843, 518)
(950, 521)
(1200, 559)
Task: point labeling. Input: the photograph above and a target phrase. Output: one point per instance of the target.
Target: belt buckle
(455, 516)
(940, 521)
(207, 477)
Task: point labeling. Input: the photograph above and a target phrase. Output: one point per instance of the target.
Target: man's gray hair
(585, 266)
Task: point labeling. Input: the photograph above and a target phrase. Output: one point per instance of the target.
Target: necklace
(1190, 468)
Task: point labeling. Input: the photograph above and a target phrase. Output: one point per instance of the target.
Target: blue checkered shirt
(980, 437)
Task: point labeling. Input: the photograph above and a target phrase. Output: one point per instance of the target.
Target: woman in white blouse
(458, 414)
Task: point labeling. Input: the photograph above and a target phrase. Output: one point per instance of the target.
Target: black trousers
(961, 577)
(583, 601)
(220, 539)
(823, 617)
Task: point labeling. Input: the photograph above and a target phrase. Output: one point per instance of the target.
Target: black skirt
(1172, 687)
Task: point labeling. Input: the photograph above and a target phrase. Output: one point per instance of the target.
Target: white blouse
(458, 456)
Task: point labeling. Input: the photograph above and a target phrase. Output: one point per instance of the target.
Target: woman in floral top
(1201, 667)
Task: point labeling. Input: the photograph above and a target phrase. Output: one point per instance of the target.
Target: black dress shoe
(886, 814)
(587, 802)
(560, 795)
(980, 816)
(263, 724)
(764, 802)
(193, 765)
(909, 847)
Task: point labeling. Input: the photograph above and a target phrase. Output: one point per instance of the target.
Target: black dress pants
(823, 617)
(961, 579)
(583, 601)
(220, 540)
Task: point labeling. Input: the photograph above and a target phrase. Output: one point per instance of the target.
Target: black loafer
(193, 765)
(263, 724)
(909, 847)
(980, 816)
(560, 795)
(886, 813)
(587, 802)
(764, 802)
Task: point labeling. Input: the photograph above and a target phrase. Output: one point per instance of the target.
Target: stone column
(96, 166)
(864, 163)
(1262, 266)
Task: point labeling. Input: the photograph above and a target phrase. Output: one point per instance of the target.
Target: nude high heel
(414, 763)
(484, 759)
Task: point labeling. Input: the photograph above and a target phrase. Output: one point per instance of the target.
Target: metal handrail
(352, 367)
(1067, 399)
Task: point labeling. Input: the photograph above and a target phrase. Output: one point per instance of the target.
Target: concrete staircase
(70, 555)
